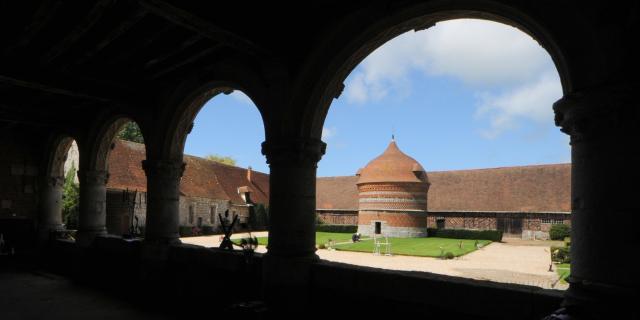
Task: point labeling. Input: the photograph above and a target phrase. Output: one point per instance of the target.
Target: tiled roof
(125, 166)
(537, 188)
(201, 178)
(337, 193)
(392, 165)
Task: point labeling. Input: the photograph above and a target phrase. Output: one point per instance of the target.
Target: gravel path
(499, 262)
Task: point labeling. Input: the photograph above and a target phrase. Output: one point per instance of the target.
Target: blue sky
(462, 94)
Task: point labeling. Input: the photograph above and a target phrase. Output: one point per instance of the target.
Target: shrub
(185, 231)
(207, 230)
(567, 241)
(493, 235)
(559, 231)
(322, 246)
(449, 255)
(340, 228)
(560, 254)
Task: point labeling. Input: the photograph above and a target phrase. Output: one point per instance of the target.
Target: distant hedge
(559, 231)
(186, 231)
(341, 228)
(493, 235)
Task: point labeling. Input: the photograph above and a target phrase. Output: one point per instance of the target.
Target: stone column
(50, 217)
(163, 200)
(292, 204)
(603, 126)
(93, 196)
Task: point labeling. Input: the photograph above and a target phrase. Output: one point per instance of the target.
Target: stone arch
(103, 138)
(386, 24)
(189, 98)
(57, 156)
(51, 185)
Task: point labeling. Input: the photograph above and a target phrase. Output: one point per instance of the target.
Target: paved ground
(514, 261)
(37, 295)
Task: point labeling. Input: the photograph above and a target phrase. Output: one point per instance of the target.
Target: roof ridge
(507, 167)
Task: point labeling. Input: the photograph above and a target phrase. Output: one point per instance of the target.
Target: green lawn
(424, 247)
(563, 269)
(321, 237)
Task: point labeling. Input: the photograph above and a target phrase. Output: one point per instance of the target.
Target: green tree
(222, 159)
(131, 132)
(70, 199)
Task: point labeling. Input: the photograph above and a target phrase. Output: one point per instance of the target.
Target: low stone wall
(363, 292)
(193, 279)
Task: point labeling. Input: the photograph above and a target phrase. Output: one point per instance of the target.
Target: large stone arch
(377, 25)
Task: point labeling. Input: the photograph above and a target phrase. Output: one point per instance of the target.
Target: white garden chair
(378, 243)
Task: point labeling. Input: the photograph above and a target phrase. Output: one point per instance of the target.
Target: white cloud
(480, 53)
(328, 133)
(531, 101)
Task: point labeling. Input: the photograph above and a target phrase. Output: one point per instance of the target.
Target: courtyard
(511, 261)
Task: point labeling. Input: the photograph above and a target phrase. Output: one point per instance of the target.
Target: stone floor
(519, 262)
(28, 294)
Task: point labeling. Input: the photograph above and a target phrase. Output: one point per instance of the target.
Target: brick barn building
(521, 201)
(392, 195)
(207, 188)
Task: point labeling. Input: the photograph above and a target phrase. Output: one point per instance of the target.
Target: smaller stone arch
(58, 156)
(51, 187)
(181, 123)
(99, 158)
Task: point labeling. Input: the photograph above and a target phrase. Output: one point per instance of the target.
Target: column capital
(166, 168)
(93, 176)
(592, 113)
(294, 152)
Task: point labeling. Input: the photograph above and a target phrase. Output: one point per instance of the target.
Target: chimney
(249, 174)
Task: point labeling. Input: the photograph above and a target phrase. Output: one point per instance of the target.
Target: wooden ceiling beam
(184, 62)
(173, 51)
(197, 24)
(54, 89)
(43, 15)
(124, 26)
(78, 32)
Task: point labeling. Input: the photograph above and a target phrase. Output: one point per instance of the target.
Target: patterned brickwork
(350, 218)
(394, 219)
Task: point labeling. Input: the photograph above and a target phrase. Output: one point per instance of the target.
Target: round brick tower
(392, 192)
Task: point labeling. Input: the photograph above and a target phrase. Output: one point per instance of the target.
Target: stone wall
(19, 174)
(202, 208)
(532, 225)
(120, 206)
(119, 211)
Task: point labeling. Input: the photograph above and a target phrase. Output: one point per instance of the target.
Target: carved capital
(296, 152)
(590, 114)
(165, 169)
(93, 176)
